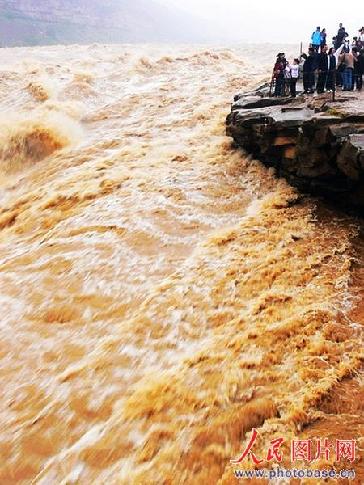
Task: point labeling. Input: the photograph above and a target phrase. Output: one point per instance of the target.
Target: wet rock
(318, 149)
(351, 157)
(258, 102)
(262, 91)
(343, 130)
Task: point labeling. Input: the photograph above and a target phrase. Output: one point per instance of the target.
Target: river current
(161, 293)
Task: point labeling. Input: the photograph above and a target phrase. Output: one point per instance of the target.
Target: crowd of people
(323, 68)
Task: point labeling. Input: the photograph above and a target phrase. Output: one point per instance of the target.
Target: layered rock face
(317, 145)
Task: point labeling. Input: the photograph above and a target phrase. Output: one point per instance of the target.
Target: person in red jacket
(278, 74)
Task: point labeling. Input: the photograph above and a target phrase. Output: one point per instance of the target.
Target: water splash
(161, 293)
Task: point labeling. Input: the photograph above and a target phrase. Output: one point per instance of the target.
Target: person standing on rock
(355, 52)
(361, 38)
(340, 37)
(278, 74)
(358, 68)
(359, 84)
(316, 39)
(331, 76)
(347, 59)
(294, 75)
(308, 69)
(323, 39)
(323, 70)
(339, 67)
(304, 73)
(287, 80)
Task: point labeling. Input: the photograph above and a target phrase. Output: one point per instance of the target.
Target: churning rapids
(161, 294)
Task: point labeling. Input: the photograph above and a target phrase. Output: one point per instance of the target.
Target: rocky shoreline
(315, 143)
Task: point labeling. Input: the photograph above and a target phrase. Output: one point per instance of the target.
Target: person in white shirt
(339, 67)
(294, 74)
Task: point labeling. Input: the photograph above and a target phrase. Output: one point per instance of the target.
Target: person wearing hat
(278, 74)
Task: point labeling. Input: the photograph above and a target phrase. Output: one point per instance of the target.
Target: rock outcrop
(316, 144)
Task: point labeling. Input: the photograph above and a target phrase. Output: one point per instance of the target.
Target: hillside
(30, 22)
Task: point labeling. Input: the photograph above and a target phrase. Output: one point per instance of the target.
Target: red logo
(306, 450)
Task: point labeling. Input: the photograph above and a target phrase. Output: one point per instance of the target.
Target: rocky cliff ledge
(316, 144)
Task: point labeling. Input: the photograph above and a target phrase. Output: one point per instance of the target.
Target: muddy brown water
(161, 293)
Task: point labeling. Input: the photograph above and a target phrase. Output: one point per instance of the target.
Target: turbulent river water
(161, 293)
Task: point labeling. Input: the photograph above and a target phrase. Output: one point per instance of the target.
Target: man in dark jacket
(309, 67)
(340, 37)
(278, 74)
(360, 70)
(331, 77)
(323, 66)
